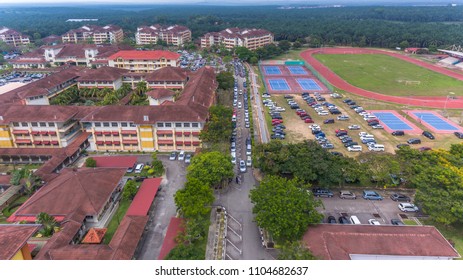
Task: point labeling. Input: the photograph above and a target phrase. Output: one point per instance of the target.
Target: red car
(308, 121)
(276, 121)
(373, 120)
(340, 130)
(305, 117)
(300, 112)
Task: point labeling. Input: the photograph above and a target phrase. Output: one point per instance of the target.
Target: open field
(390, 76)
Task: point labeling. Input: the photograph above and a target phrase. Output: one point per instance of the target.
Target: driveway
(164, 207)
(364, 209)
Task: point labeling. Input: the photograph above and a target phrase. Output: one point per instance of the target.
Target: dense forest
(354, 26)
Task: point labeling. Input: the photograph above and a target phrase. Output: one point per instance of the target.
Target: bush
(90, 162)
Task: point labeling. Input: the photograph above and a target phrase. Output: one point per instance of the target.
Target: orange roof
(94, 236)
(144, 55)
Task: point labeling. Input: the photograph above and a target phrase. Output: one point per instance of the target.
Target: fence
(320, 77)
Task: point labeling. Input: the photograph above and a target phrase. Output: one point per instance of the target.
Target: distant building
(94, 34)
(13, 37)
(235, 37)
(176, 35)
(143, 61)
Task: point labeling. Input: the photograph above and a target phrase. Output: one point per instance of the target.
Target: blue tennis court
(308, 84)
(278, 84)
(297, 70)
(272, 70)
(430, 119)
(392, 121)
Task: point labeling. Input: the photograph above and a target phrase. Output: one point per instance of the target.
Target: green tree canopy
(90, 162)
(195, 198)
(130, 190)
(284, 207)
(48, 223)
(295, 251)
(225, 80)
(211, 168)
(219, 127)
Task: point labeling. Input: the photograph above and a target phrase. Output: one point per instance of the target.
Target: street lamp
(445, 105)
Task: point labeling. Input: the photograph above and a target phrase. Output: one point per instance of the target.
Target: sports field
(390, 76)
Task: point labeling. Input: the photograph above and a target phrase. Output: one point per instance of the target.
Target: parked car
(398, 133)
(347, 195)
(242, 166)
(327, 121)
(342, 118)
(371, 195)
(331, 220)
(374, 222)
(422, 149)
(400, 197)
(188, 158)
(414, 141)
(318, 192)
(459, 135)
(428, 134)
(130, 169)
(344, 220)
(397, 222)
(181, 156)
(353, 127)
(173, 156)
(407, 207)
(354, 148)
(377, 126)
(349, 144)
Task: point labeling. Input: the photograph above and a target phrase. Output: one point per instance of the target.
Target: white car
(378, 126)
(239, 105)
(364, 113)
(374, 222)
(363, 133)
(181, 156)
(187, 158)
(233, 156)
(408, 207)
(343, 118)
(323, 113)
(248, 161)
(242, 166)
(365, 136)
(314, 126)
(173, 156)
(354, 127)
(354, 148)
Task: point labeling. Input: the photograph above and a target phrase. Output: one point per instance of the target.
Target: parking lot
(381, 210)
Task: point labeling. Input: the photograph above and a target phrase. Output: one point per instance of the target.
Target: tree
(404, 44)
(295, 251)
(157, 165)
(296, 45)
(141, 88)
(225, 80)
(195, 198)
(284, 207)
(440, 193)
(253, 60)
(211, 168)
(380, 166)
(48, 224)
(130, 190)
(90, 162)
(186, 252)
(31, 181)
(284, 45)
(243, 53)
(219, 127)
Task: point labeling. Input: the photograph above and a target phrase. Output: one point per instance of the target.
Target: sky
(267, 2)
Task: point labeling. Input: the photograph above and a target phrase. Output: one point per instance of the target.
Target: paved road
(260, 122)
(164, 208)
(236, 199)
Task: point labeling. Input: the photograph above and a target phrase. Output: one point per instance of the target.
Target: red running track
(424, 101)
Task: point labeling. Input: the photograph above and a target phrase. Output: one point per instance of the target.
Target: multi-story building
(73, 54)
(172, 122)
(176, 35)
(13, 37)
(94, 34)
(235, 37)
(144, 61)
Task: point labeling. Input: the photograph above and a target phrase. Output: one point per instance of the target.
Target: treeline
(353, 26)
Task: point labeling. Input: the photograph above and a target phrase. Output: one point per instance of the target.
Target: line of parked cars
(181, 156)
(278, 129)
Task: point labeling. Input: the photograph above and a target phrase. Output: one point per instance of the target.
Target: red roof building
(176, 35)
(94, 236)
(144, 61)
(385, 242)
(13, 241)
(235, 37)
(175, 227)
(142, 201)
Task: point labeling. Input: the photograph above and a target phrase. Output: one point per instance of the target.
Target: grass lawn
(452, 233)
(389, 75)
(20, 200)
(117, 218)
(290, 55)
(410, 222)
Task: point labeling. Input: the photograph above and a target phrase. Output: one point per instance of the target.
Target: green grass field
(389, 75)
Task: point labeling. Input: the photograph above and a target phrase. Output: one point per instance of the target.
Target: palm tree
(48, 224)
(141, 88)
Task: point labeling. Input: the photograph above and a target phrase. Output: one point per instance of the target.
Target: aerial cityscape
(226, 131)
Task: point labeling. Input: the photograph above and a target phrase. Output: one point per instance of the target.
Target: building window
(194, 125)
(168, 125)
(106, 124)
(97, 124)
(15, 124)
(124, 124)
(132, 125)
(114, 124)
(34, 124)
(24, 124)
(42, 124)
(160, 124)
(50, 124)
(178, 124)
(186, 124)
